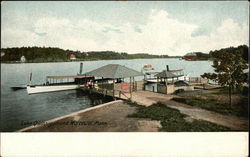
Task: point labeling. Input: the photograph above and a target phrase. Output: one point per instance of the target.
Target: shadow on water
(28, 110)
(95, 98)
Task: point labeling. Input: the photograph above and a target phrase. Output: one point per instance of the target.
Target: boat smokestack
(30, 77)
(167, 67)
(81, 68)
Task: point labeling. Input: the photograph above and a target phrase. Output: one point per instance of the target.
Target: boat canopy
(66, 77)
(170, 73)
(178, 73)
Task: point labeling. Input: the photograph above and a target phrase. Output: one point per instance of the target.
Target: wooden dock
(139, 95)
(116, 94)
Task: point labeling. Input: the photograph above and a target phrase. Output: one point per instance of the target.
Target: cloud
(159, 35)
(229, 33)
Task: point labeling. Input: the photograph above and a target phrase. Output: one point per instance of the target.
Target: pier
(137, 94)
(117, 92)
(109, 81)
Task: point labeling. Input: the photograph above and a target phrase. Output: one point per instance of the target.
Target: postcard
(161, 70)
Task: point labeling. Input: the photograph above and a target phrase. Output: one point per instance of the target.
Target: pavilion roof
(114, 71)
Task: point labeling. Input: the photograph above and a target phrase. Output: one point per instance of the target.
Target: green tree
(228, 66)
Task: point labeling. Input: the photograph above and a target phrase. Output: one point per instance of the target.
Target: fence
(197, 80)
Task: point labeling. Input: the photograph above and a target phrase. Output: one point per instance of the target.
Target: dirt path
(198, 113)
(109, 118)
(147, 98)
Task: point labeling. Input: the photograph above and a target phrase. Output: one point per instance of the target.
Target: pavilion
(114, 72)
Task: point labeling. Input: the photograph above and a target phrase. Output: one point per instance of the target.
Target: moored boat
(57, 83)
(176, 75)
(52, 88)
(148, 67)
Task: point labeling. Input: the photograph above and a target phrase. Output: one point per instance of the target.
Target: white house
(72, 57)
(23, 59)
(2, 54)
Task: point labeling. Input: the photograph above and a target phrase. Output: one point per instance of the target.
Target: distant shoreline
(53, 54)
(18, 62)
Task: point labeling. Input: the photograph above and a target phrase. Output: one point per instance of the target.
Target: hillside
(43, 54)
(242, 49)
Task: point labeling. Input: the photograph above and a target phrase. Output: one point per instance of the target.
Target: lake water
(17, 107)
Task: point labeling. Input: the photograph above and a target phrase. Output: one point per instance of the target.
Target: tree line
(242, 49)
(230, 66)
(49, 54)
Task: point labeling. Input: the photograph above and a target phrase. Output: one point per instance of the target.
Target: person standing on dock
(87, 84)
(90, 84)
(96, 86)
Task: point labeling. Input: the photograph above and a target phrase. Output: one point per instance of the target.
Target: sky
(155, 27)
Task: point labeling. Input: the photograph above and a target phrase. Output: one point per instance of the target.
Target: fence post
(135, 86)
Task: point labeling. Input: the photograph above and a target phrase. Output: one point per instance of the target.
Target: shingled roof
(166, 74)
(114, 71)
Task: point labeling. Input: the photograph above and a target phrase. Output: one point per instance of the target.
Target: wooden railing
(197, 80)
(123, 93)
(108, 92)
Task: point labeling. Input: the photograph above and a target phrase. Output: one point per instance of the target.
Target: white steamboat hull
(183, 78)
(44, 89)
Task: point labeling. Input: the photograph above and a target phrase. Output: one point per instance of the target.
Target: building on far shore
(2, 54)
(85, 53)
(190, 56)
(23, 59)
(72, 57)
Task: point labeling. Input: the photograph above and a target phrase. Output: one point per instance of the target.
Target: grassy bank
(172, 120)
(212, 103)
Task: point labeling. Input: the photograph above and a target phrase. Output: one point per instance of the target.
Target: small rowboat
(148, 67)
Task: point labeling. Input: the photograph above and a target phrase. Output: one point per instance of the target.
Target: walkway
(198, 113)
(147, 98)
(109, 117)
